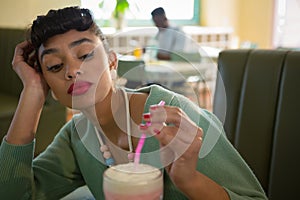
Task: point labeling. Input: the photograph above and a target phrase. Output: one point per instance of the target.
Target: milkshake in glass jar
(133, 181)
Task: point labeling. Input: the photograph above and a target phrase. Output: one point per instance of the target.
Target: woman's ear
(112, 59)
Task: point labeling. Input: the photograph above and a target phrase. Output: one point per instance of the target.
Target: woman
(68, 54)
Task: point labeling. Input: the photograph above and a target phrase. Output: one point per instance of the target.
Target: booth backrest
(53, 116)
(257, 97)
(10, 82)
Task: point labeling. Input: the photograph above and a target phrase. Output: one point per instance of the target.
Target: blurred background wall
(251, 20)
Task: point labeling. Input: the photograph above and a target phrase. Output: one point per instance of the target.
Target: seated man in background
(170, 38)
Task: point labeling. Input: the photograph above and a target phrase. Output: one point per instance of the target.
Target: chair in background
(257, 96)
(185, 56)
(197, 81)
(131, 73)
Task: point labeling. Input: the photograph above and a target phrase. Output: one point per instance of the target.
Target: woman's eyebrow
(80, 41)
(48, 51)
(71, 45)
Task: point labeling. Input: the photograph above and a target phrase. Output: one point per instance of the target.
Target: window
(139, 12)
(286, 24)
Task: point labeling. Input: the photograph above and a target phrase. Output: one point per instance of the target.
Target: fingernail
(143, 126)
(147, 116)
(153, 107)
(156, 131)
(148, 124)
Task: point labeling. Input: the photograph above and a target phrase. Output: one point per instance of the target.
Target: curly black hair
(61, 21)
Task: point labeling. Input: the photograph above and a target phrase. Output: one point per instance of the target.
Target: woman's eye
(55, 68)
(87, 56)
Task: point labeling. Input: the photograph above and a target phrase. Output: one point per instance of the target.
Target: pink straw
(139, 149)
(141, 142)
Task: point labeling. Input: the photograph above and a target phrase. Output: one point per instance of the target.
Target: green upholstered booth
(53, 115)
(257, 97)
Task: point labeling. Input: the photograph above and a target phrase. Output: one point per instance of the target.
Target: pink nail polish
(153, 107)
(147, 116)
(161, 103)
(143, 126)
(156, 131)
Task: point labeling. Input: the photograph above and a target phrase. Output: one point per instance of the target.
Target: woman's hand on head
(22, 64)
(180, 139)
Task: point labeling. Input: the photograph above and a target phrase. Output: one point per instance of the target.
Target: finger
(175, 139)
(174, 142)
(156, 114)
(19, 51)
(151, 129)
(164, 113)
(170, 115)
(195, 146)
(166, 134)
(187, 153)
(185, 129)
(174, 148)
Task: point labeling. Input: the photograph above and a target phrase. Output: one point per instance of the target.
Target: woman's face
(76, 68)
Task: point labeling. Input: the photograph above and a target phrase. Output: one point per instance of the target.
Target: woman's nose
(72, 72)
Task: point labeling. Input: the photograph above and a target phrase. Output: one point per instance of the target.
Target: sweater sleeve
(51, 175)
(218, 159)
(15, 173)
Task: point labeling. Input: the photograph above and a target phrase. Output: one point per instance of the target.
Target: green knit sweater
(73, 159)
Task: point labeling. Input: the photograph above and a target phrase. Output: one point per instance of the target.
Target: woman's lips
(79, 88)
